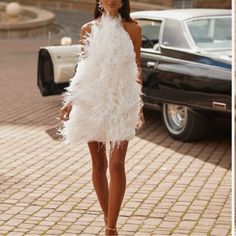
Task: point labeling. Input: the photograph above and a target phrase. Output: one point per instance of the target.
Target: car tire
(182, 123)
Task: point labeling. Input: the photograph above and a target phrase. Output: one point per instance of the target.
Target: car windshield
(211, 33)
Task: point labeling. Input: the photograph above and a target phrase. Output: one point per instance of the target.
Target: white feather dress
(104, 93)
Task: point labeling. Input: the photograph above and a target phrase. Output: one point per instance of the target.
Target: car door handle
(151, 64)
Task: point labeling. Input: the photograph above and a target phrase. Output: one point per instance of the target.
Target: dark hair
(124, 11)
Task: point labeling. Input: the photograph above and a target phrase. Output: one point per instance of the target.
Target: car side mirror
(156, 47)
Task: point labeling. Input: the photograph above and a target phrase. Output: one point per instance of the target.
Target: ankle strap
(110, 228)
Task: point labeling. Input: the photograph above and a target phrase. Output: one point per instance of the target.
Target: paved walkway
(173, 188)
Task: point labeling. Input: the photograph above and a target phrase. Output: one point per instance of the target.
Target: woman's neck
(111, 13)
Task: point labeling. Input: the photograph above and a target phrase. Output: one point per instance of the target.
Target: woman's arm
(85, 29)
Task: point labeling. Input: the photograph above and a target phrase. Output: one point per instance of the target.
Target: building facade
(161, 3)
(191, 3)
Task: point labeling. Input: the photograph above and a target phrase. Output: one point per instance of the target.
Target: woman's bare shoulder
(87, 26)
(133, 26)
(134, 29)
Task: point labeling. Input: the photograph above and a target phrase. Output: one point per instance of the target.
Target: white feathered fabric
(104, 92)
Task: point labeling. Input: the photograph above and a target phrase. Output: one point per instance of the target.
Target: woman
(112, 41)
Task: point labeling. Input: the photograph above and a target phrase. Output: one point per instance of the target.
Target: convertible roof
(182, 14)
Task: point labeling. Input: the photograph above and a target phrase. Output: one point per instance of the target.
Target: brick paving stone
(5, 217)
(7, 228)
(178, 234)
(183, 231)
(54, 232)
(186, 224)
(13, 222)
(160, 232)
(61, 227)
(15, 234)
(193, 233)
(3, 232)
(219, 232)
(203, 228)
(40, 228)
(35, 232)
(191, 216)
(143, 234)
(168, 225)
(21, 230)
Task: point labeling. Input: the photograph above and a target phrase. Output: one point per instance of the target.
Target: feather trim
(104, 93)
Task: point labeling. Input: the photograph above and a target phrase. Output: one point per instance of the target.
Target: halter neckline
(119, 18)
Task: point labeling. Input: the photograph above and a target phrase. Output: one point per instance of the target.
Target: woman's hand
(64, 112)
(142, 120)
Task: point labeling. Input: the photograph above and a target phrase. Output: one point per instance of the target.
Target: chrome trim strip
(219, 105)
(165, 58)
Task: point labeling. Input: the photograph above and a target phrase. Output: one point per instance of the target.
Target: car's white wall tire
(183, 124)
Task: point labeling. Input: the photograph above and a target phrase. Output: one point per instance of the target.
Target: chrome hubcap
(175, 117)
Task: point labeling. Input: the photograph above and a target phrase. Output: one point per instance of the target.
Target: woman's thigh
(118, 154)
(98, 153)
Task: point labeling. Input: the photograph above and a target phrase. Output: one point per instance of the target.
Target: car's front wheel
(182, 123)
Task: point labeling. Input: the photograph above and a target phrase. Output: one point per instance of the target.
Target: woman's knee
(99, 165)
(117, 160)
(116, 167)
(98, 155)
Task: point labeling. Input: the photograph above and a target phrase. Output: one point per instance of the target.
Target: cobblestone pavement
(173, 188)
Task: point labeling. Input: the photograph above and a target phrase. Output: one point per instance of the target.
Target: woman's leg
(117, 185)
(99, 168)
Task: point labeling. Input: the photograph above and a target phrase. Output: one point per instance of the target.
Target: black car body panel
(176, 71)
(188, 79)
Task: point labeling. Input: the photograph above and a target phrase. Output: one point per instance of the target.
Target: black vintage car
(186, 65)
